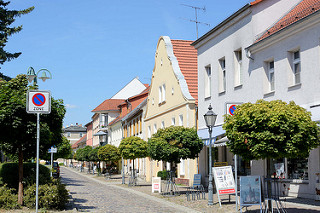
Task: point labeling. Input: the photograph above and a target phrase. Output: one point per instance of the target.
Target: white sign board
(38, 102)
(231, 107)
(53, 150)
(223, 178)
(156, 184)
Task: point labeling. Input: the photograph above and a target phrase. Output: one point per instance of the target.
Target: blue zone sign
(38, 102)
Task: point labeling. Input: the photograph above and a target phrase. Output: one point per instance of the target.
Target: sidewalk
(292, 205)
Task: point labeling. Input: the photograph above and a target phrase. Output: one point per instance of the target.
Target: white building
(268, 50)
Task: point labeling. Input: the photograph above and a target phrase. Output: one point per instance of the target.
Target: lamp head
(44, 76)
(210, 117)
(31, 74)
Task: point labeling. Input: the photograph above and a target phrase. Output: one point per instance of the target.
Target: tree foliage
(133, 147)
(83, 154)
(109, 152)
(20, 127)
(93, 154)
(174, 143)
(272, 129)
(7, 18)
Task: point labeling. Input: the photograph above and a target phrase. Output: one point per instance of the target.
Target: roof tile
(302, 10)
(109, 104)
(187, 59)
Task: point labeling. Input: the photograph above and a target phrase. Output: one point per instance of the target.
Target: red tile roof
(109, 104)
(75, 145)
(256, 2)
(302, 10)
(187, 59)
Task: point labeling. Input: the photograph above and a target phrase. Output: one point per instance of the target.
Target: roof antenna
(196, 21)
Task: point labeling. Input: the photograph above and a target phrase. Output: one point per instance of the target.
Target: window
(68, 134)
(173, 121)
(271, 75)
(223, 81)
(182, 167)
(180, 120)
(154, 128)
(103, 120)
(81, 134)
(291, 168)
(207, 82)
(162, 93)
(162, 124)
(238, 68)
(296, 67)
(140, 124)
(172, 91)
(149, 131)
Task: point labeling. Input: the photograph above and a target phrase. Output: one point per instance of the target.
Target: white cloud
(70, 106)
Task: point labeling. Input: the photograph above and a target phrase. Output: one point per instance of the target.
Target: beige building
(74, 132)
(172, 99)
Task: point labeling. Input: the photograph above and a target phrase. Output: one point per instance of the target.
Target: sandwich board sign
(223, 178)
(38, 102)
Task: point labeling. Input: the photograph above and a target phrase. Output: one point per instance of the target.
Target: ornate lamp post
(32, 76)
(210, 118)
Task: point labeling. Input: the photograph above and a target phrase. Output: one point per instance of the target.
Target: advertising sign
(250, 191)
(223, 178)
(38, 102)
(156, 184)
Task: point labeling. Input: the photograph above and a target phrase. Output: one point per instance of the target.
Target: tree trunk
(20, 189)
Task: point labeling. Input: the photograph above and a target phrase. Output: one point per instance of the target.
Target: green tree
(174, 143)
(272, 129)
(7, 18)
(19, 127)
(133, 147)
(64, 150)
(109, 152)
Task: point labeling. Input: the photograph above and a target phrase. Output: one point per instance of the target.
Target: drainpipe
(248, 54)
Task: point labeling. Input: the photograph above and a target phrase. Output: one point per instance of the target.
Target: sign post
(52, 150)
(38, 102)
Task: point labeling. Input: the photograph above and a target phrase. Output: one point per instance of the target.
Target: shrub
(163, 174)
(8, 199)
(61, 164)
(9, 174)
(51, 196)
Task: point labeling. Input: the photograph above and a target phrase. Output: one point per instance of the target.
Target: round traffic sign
(232, 108)
(38, 99)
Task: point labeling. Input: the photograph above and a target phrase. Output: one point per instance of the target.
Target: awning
(100, 133)
(221, 142)
(204, 134)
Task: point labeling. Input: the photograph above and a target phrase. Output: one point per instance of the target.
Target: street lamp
(32, 76)
(210, 118)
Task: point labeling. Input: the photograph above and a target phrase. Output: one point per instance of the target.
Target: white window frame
(238, 68)
(160, 94)
(163, 93)
(162, 124)
(182, 167)
(207, 81)
(223, 81)
(271, 77)
(68, 134)
(296, 62)
(181, 120)
(155, 128)
(173, 121)
(149, 131)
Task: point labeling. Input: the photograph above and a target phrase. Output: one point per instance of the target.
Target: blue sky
(94, 48)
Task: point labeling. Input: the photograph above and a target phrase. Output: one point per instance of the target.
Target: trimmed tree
(19, 127)
(93, 156)
(109, 152)
(7, 18)
(272, 129)
(133, 147)
(174, 143)
(269, 130)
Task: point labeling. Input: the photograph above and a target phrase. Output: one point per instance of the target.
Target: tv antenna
(196, 21)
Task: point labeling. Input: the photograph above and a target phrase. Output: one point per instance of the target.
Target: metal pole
(122, 171)
(51, 163)
(236, 180)
(210, 188)
(37, 173)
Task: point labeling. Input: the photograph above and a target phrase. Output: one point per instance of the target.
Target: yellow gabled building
(172, 99)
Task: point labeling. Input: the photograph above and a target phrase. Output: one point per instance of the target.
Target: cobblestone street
(92, 196)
